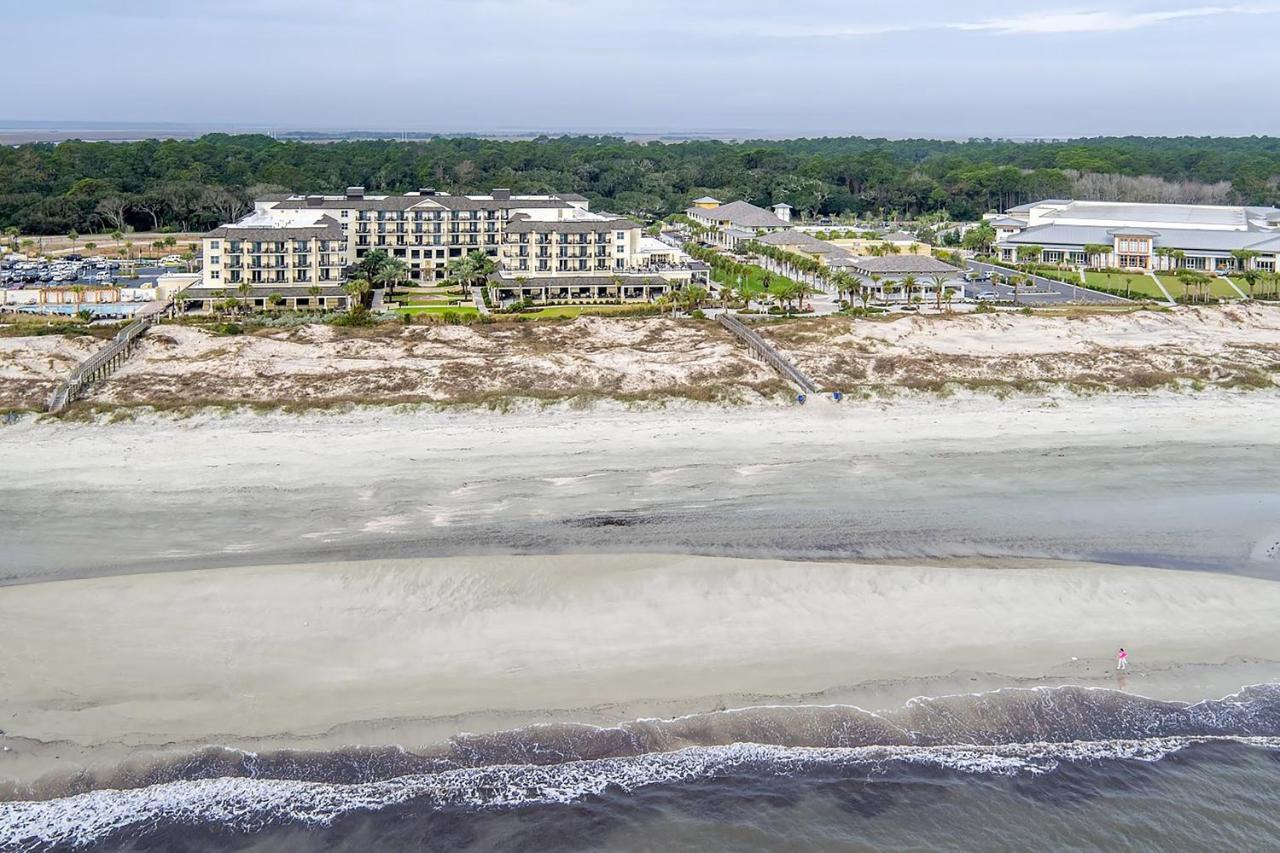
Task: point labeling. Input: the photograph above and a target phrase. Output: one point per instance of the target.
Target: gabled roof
(899, 237)
(741, 213)
(903, 265)
(1007, 222)
(803, 242)
(706, 199)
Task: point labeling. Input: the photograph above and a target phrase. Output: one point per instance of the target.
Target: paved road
(1043, 291)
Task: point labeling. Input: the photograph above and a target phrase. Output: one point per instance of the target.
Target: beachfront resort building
(1210, 238)
(737, 221)
(297, 247)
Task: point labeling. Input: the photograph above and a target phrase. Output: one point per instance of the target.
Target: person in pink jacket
(1122, 659)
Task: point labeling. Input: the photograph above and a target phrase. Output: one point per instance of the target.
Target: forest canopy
(198, 184)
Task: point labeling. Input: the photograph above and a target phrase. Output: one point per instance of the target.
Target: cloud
(1108, 21)
(1060, 22)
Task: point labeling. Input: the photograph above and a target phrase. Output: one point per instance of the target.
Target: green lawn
(438, 309)
(1218, 288)
(1140, 283)
(555, 311)
(754, 282)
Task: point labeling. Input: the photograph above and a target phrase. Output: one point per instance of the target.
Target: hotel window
(214, 244)
(215, 259)
(215, 273)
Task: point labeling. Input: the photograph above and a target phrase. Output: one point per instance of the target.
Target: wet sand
(412, 652)
(399, 576)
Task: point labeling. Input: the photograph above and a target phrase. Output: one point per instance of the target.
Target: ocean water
(1008, 770)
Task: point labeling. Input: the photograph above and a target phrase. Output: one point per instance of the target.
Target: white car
(168, 260)
(987, 296)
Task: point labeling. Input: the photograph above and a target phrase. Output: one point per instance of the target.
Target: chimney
(355, 192)
(315, 201)
(501, 194)
(426, 190)
(782, 211)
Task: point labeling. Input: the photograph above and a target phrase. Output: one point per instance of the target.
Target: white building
(298, 246)
(738, 221)
(1212, 238)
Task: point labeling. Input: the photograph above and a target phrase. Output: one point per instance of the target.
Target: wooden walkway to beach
(766, 352)
(102, 363)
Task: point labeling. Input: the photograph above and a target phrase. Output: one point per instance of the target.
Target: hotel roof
(264, 226)
(903, 265)
(740, 213)
(523, 224)
(1174, 238)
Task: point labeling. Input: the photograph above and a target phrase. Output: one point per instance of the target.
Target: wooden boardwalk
(766, 352)
(101, 364)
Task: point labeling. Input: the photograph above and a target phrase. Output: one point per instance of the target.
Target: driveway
(1043, 291)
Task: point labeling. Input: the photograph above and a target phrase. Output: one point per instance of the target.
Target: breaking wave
(1007, 732)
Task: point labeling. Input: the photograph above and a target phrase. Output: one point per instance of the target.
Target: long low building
(291, 244)
(1212, 238)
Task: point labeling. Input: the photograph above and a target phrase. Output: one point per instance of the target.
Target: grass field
(1140, 283)
(554, 311)
(1218, 288)
(465, 310)
(754, 281)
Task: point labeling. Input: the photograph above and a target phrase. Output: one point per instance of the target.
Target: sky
(934, 68)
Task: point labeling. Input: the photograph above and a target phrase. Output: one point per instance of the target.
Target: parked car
(987, 296)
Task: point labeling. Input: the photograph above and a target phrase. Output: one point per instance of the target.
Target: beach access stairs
(766, 352)
(102, 363)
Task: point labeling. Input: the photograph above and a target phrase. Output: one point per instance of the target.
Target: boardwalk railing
(766, 353)
(99, 365)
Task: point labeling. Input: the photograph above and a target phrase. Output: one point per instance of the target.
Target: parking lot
(19, 273)
(1043, 291)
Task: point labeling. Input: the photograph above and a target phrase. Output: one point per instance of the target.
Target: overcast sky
(797, 67)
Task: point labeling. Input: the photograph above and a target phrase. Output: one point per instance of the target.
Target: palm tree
(693, 296)
(936, 281)
(78, 291)
(275, 299)
(74, 236)
(245, 290)
(1243, 257)
(909, 285)
(875, 282)
(314, 292)
(1092, 250)
(358, 289)
(1250, 277)
(391, 273)
(1015, 281)
(13, 234)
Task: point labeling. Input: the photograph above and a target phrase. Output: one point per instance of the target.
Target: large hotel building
(547, 247)
(1211, 238)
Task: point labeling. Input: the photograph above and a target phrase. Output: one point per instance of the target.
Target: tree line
(193, 185)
